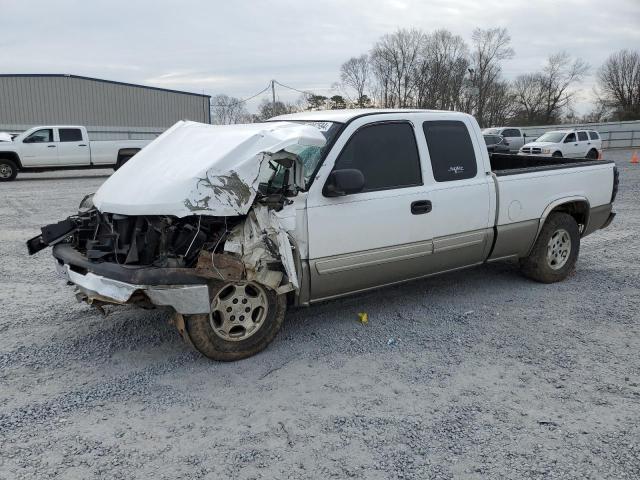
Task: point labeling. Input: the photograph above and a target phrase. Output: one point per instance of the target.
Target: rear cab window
(387, 155)
(451, 150)
(70, 134)
(594, 136)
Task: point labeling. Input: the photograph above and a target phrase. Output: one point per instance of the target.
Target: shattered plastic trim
(254, 240)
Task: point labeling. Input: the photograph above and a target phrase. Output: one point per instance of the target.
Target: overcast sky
(237, 46)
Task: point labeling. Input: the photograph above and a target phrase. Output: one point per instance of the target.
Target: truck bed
(509, 164)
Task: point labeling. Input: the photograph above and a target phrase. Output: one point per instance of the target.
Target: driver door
(382, 234)
(39, 149)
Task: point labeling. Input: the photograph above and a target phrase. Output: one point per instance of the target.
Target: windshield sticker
(322, 126)
(457, 169)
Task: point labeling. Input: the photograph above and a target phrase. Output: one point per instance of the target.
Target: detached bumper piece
(185, 299)
(51, 234)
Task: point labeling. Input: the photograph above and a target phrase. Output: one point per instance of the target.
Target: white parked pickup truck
(513, 137)
(62, 147)
(231, 225)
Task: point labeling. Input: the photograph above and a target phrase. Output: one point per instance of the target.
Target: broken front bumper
(189, 298)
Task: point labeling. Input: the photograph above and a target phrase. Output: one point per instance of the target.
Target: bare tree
(619, 82)
(529, 97)
(267, 109)
(395, 58)
(226, 110)
(439, 77)
(558, 76)
(490, 48)
(354, 74)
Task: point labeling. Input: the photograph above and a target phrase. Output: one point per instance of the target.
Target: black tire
(592, 154)
(537, 265)
(557, 154)
(210, 344)
(8, 170)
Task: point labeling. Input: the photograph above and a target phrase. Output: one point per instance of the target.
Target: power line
(269, 86)
(294, 89)
(244, 99)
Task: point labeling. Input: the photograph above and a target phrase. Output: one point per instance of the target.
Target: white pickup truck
(62, 147)
(230, 225)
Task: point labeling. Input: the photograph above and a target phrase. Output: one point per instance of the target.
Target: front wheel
(8, 170)
(555, 252)
(244, 319)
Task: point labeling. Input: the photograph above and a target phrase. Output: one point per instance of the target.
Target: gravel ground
(476, 374)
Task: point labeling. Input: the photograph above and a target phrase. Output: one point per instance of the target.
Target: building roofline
(81, 77)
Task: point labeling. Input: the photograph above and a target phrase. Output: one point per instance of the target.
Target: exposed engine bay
(199, 208)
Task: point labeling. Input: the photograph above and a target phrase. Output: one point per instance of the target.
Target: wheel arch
(128, 152)
(13, 156)
(577, 206)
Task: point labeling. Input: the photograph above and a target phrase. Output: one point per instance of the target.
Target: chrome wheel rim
(5, 171)
(238, 311)
(558, 249)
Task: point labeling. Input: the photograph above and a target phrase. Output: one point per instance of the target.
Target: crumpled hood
(200, 169)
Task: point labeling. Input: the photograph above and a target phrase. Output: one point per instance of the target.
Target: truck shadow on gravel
(306, 330)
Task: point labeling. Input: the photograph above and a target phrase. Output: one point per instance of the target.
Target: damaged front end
(168, 229)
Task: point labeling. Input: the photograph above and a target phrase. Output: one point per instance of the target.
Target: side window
(511, 132)
(570, 138)
(450, 149)
(70, 134)
(386, 154)
(594, 136)
(40, 136)
(582, 136)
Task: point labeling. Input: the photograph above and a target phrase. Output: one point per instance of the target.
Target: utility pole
(273, 98)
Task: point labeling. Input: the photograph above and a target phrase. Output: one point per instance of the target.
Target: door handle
(51, 146)
(421, 206)
(82, 145)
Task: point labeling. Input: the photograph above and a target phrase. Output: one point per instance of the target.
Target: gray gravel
(477, 374)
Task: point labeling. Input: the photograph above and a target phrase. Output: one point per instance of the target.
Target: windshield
(310, 156)
(491, 139)
(553, 137)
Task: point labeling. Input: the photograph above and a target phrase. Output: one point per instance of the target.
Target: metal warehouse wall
(108, 109)
(613, 134)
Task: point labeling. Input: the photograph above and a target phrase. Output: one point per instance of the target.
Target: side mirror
(343, 182)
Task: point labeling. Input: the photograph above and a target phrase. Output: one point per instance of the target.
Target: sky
(236, 47)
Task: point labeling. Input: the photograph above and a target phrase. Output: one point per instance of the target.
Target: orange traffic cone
(634, 157)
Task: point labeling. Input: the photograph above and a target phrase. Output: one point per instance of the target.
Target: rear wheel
(121, 161)
(592, 154)
(555, 252)
(244, 319)
(8, 170)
